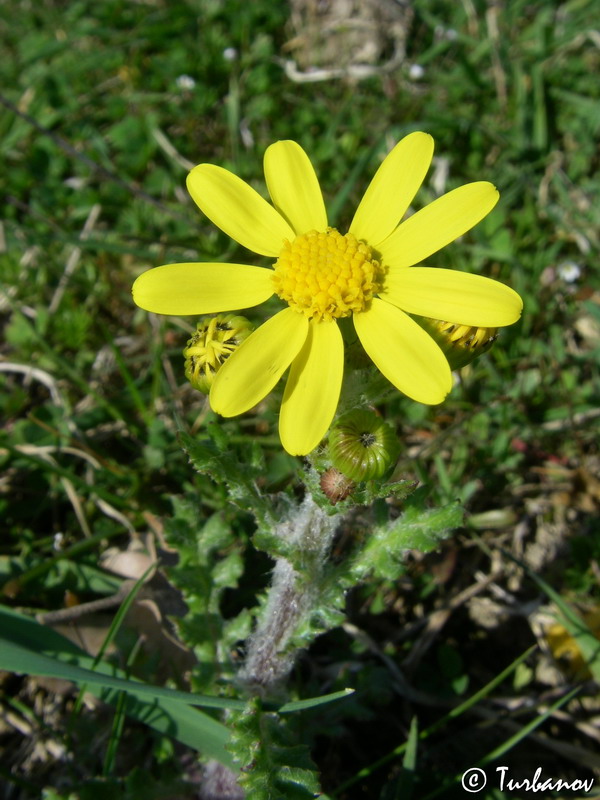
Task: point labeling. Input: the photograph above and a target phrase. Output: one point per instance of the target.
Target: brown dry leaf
(146, 620)
(582, 491)
(487, 613)
(88, 633)
(176, 660)
(133, 562)
(87, 625)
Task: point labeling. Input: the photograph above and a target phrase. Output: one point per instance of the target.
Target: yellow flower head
(369, 273)
(213, 341)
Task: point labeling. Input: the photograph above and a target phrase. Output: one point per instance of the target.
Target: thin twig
(83, 609)
(37, 374)
(575, 421)
(73, 259)
(166, 146)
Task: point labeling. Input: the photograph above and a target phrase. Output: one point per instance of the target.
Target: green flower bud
(362, 446)
(461, 344)
(213, 341)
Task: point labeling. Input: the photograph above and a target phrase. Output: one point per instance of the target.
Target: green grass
(95, 133)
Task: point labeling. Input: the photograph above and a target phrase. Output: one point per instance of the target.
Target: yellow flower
(322, 275)
(213, 341)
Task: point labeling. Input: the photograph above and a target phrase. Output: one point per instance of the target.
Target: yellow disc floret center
(324, 275)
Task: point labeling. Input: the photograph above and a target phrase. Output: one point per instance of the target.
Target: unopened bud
(335, 485)
(461, 344)
(362, 446)
(213, 341)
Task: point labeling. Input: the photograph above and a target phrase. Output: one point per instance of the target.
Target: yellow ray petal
(404, 353)
(453, 296)
(238, 209)
(438, 224)
(312, 390)
(294, 187)
(254, 368)
(181, 289)
(392, 189)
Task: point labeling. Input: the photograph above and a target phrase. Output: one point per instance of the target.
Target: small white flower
(185, 82)
(569, 271)
(449, 34)
(416, 72)
(230, 54)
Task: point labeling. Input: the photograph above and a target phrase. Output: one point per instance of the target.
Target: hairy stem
(292, 598)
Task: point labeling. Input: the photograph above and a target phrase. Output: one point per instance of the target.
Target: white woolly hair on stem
(219, 783)
(291, 599)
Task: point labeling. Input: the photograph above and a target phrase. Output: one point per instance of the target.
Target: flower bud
(335, 485)
(213, 341)
(461, 344)
(362, 446)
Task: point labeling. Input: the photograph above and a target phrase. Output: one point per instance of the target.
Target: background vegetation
(104, 108)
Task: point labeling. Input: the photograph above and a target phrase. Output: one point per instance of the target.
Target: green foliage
(415, 529)
(209, 562)
(31, 648)
(272, 764)
(238, 475)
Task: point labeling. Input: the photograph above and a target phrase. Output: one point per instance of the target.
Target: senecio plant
(359, 315)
